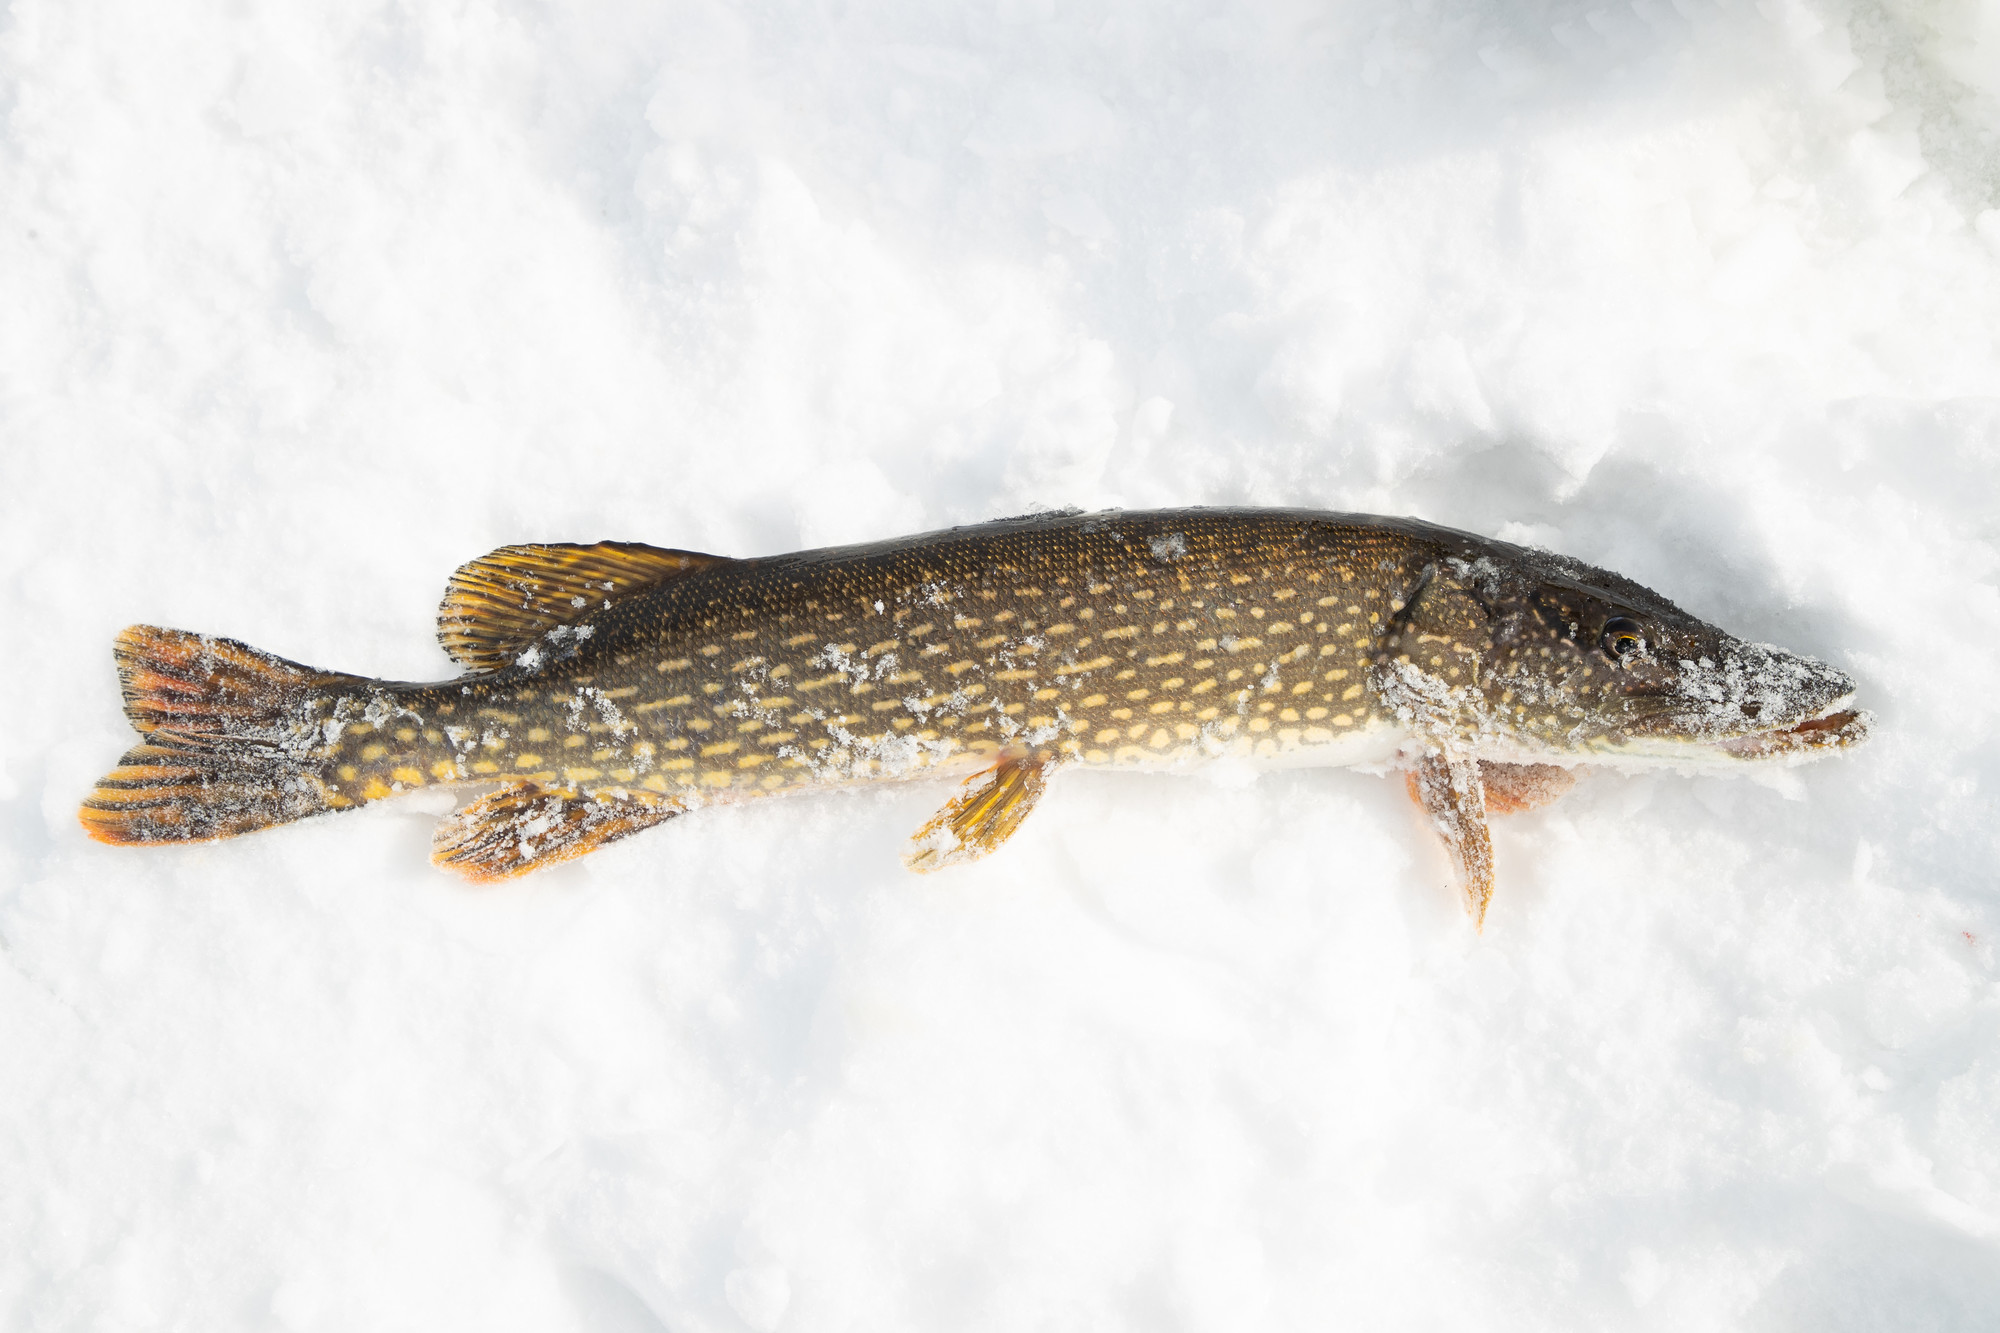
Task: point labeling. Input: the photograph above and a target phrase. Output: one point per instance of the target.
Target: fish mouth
(1835, 727)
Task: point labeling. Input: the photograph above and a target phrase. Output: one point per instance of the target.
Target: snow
(307, 304)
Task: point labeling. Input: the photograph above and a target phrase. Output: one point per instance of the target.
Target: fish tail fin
(231, 742)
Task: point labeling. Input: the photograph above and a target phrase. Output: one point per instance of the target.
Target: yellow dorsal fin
(502, 602)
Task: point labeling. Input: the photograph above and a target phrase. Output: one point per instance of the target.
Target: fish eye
(1622, 637)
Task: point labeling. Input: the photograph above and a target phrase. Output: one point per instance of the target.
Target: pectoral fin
(1514, 788)
(525, 827)
(981, 817)
(1449, 788)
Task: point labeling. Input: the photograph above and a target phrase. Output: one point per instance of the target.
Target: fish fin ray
(1512, 789)
(524, 827)
(497, 606)
(227, 748)
(197, 793)
(1449, 789)
(198, 685)
(982, 816)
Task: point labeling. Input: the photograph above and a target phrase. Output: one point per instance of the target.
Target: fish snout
(1783, 704)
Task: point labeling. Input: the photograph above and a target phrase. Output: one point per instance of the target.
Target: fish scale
(616, 685)
(1077, 641)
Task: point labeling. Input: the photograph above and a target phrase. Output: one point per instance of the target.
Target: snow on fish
(613, 686)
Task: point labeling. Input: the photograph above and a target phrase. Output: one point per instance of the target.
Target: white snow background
(302, 305)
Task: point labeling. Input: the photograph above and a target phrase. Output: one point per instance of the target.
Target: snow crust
(307, 304)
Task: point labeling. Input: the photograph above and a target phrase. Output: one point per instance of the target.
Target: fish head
(1530, 654)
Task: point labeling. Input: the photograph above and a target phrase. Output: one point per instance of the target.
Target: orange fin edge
(1453, 798)
(525, 827)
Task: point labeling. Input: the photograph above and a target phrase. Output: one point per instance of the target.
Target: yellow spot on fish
(373, 751)
(527, 761)
(720, 747)
(411, 776)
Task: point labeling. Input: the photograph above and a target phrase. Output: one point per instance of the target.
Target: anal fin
(984, 815)
(525, 827)
(1449, 788)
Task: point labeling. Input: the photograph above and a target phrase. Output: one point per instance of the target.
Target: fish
(612, 686)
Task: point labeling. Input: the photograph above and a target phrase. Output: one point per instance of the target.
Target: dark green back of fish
(615, 685)
(1123, 639)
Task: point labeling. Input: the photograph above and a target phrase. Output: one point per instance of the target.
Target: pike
(613, 686)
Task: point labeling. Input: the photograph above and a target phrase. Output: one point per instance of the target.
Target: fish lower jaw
(1835, 727)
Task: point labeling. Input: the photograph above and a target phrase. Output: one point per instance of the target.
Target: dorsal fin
(499, 604)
